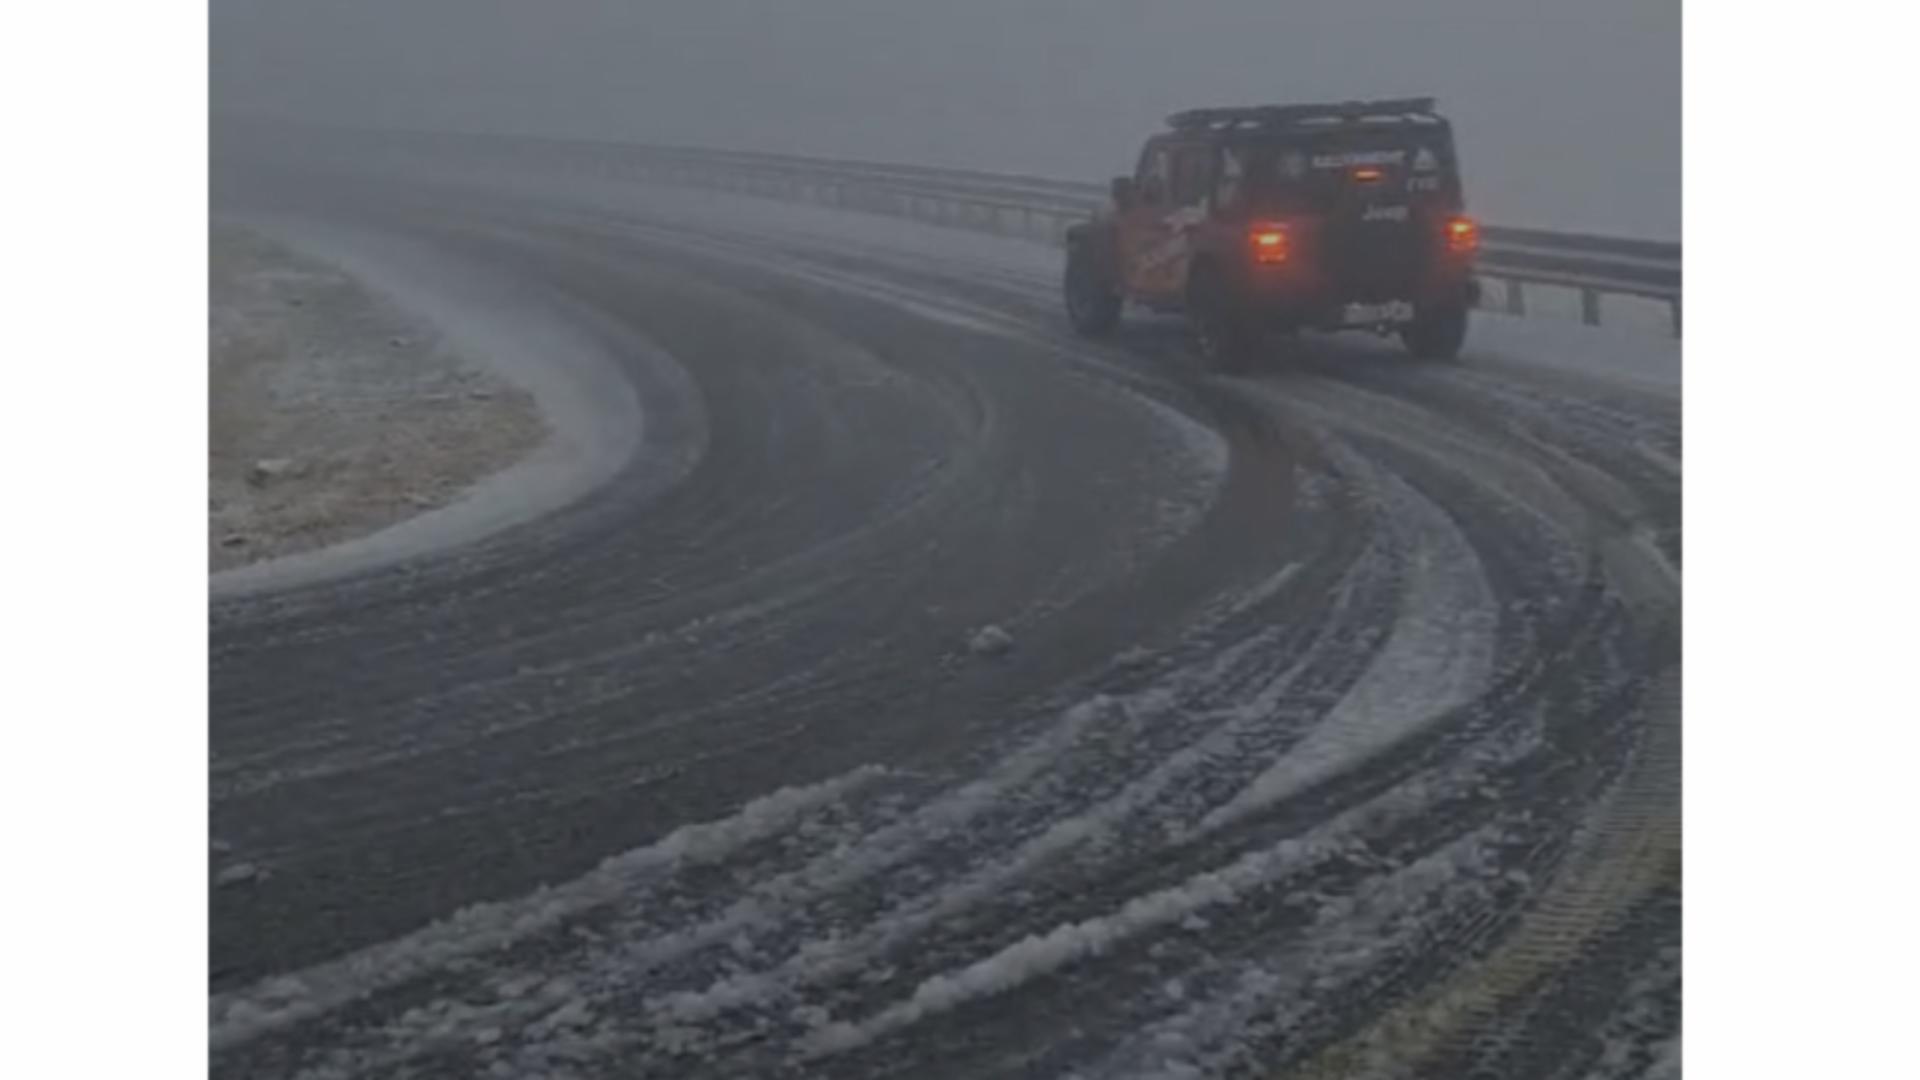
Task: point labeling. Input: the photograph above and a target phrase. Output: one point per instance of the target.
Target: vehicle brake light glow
(1463, 235)
(1269, 243)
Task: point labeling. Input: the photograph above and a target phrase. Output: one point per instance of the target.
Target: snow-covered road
(1338, 734)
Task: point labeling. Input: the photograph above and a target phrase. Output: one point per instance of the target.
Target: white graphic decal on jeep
(1359, 157)
(1176, 243)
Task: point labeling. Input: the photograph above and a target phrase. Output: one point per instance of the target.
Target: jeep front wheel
(1093, 307)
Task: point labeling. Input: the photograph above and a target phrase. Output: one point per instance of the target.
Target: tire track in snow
(1039, 955)
(1271, 996)
(284, 1000)
(777, 903)
(1438, 655)
(767, 905)
(1232, 730)
(1631, 847)
(1252, 875)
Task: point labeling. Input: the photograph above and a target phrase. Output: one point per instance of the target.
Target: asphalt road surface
(1331, 728)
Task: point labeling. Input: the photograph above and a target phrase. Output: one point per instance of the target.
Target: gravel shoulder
(334, 414)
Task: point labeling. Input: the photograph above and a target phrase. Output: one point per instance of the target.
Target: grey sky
(1568, 110)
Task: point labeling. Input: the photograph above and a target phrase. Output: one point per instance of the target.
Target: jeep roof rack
(1255, 117)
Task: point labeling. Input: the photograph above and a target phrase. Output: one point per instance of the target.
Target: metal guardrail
(1033, 208)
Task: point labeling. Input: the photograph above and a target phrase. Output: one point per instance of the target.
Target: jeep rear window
(1316, 174)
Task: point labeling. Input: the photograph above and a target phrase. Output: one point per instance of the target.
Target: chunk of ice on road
(241, 873)
(990, 641)
(267, 470)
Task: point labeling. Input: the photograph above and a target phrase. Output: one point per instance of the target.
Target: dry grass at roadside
(334, 414)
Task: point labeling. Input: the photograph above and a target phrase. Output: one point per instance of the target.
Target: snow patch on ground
(837, 954)
(1204, 458)
(771, 903)
(592, 411)
(1520, 482)
(1438, 655)
(284, 1000)
(990, 641)
(240, 873)
(332, 413)
(1042, 954)
(1224, 1032)
(1666, 1061)
(1644, 359)
(1640, 1042)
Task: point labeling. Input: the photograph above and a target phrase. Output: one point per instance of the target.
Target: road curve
(1338, 732)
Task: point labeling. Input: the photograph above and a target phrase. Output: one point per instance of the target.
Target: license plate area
(1393, 311)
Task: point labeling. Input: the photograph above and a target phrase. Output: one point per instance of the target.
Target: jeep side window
(1155, 176)
(1230, 189)
(1191, 175)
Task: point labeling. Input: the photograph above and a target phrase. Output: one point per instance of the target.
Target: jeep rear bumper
(1286, 300)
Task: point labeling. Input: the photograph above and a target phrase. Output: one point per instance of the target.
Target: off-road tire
(1437, 332)
(1093, 305)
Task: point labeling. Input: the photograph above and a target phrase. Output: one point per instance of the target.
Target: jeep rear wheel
(1437, 331)
(1225, 338)
(1093, 307)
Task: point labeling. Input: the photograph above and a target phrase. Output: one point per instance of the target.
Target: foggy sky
(1567, 111)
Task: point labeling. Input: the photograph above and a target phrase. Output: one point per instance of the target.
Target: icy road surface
(1331, 729)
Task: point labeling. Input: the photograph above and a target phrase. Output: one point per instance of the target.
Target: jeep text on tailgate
(1277, 218)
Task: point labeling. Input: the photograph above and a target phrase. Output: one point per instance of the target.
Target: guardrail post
(1516, 298)
(1590, 306)
(1676, 316)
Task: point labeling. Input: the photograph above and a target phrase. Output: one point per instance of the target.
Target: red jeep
(1286, 217)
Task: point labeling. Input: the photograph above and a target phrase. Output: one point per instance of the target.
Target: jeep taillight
(1463, 235)
(1269, 243)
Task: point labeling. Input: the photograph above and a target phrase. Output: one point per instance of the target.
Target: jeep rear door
(1377, 201)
